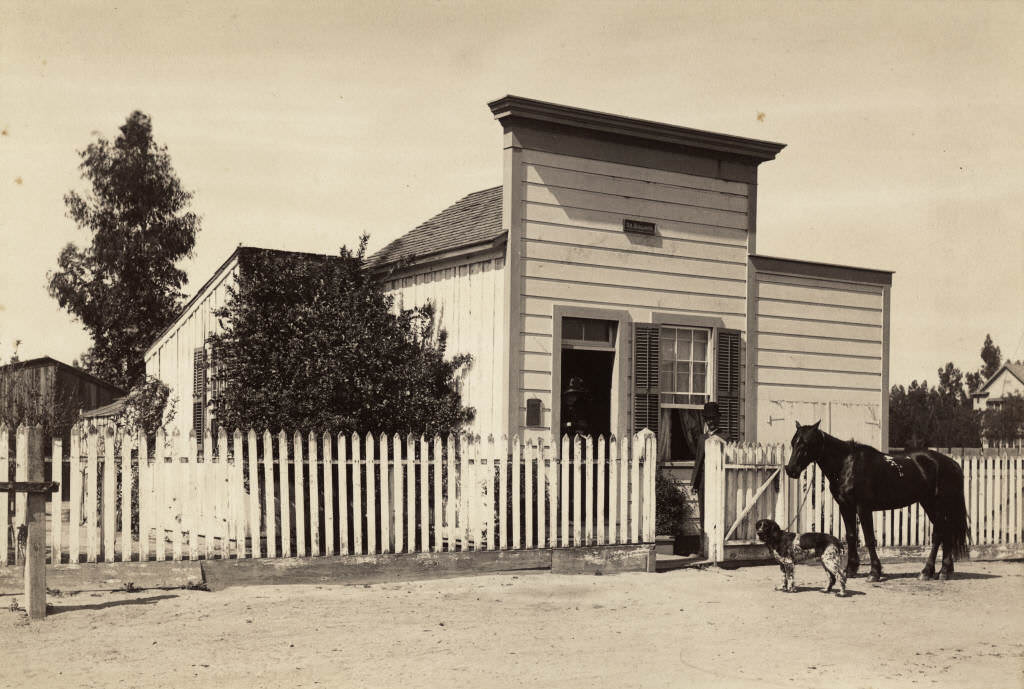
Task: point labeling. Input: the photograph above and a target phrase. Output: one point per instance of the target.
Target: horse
(863, 480)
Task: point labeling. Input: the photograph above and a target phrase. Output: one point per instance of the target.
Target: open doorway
(586, 390)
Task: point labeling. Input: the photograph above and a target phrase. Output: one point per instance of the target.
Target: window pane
(700, 372)
(667, 345)
(700, 345)
(683, 347)
(597, 331)
(572, 329)
(683, 377)
(666, 379)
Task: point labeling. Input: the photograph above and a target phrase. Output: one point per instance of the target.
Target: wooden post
(35, 515)
(713, 491)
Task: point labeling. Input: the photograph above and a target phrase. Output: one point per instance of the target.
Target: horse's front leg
(867, 524)
(849, 514)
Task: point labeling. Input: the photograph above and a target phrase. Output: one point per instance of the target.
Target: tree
(125, 286)
(1004, 425)
(920, 416)
(992, 357)
(951, 385)
(314, 343)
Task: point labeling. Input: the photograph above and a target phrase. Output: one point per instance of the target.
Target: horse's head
(807, 445)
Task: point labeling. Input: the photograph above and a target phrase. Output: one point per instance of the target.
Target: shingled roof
(473, 219)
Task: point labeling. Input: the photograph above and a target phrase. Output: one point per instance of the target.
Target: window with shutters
(682, 368)
(199, 394)
(727, 384)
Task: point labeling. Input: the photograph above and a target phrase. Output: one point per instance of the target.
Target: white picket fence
(292, 494)
(744, 483)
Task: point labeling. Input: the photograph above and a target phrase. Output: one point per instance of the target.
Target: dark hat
(576, 384)
(710, 413)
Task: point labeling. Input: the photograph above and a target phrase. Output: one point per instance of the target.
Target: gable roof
(472, 220)
(1016, 370)
(44, 361)
(240, 250)
(112, 409)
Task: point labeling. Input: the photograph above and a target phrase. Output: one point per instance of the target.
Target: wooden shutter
(645, 377)
(199, 393)
(728, 383)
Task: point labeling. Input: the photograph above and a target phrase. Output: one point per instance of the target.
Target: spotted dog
(789, 548)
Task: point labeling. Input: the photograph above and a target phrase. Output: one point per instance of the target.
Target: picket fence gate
(744, 483)
(320, 494)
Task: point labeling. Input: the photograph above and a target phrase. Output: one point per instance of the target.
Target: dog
(789, 548)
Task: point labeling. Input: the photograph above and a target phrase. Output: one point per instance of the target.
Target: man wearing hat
(710, 416)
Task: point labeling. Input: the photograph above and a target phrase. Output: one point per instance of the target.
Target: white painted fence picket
(744, 483)
(250, 495)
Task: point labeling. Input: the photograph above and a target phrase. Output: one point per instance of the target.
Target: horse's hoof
(841, 594)
(874, 577)
(926, 575)
(943, 576)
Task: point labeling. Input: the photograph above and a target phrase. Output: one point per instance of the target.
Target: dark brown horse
(863, 480)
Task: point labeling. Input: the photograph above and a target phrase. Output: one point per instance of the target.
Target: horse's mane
(851, 444)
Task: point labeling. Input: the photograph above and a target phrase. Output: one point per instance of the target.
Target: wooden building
(181, 356)
(44, 390)
(612, 283)
(1006, 381)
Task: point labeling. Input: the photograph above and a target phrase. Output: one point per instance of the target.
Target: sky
(302, 125)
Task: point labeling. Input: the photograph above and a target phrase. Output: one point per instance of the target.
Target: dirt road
(701, 628)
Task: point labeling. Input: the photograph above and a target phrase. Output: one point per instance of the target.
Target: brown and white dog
(789, 548)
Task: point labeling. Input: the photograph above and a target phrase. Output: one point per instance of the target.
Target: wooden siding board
(633, 207)
(821, 362)
(817, 345)
(822, 312)
(551, 250)
(617, 295)
(584, 273)
(793, 376)
(831, 330)
(869, 297)
(634, 188)
(632, 172)
(610, 220)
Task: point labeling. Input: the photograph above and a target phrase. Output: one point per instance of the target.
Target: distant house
(48, 391)
(1007, 380)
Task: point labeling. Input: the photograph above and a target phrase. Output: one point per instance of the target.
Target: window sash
(685, 378)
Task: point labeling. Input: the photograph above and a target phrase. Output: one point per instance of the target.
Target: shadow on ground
(148, 600)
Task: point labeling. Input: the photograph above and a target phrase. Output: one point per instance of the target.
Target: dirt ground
(702, 628)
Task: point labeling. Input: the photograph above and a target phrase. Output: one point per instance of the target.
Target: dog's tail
(844, 553)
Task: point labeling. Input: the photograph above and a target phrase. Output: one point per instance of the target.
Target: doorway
(586, 392)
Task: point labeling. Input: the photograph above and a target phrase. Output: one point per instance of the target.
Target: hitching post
(35, 518)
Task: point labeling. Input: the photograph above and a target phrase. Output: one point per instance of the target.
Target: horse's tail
(951, 508)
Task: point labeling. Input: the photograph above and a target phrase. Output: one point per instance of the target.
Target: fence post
(35, 515)
(714, 487)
